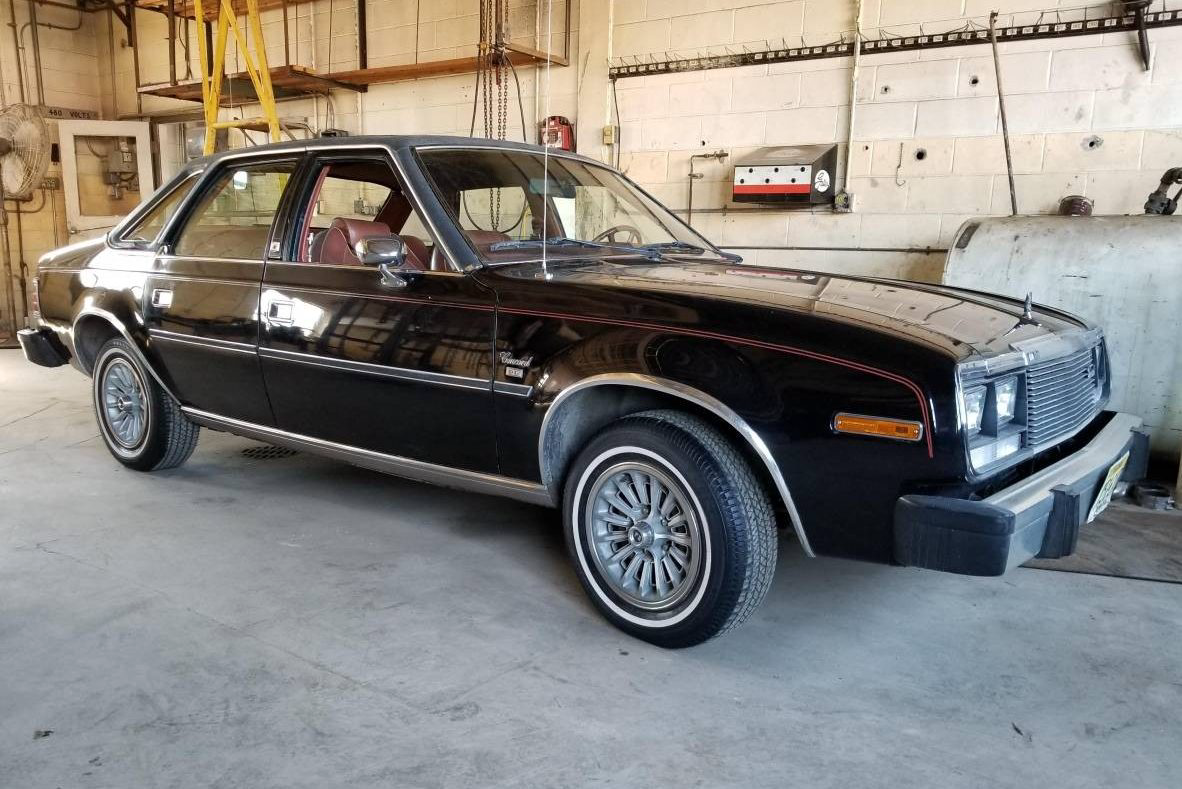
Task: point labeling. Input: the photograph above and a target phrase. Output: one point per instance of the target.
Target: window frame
(117, 237)
(166, 241)
(304, 191)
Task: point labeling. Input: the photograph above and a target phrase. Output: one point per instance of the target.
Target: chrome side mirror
(388, 254)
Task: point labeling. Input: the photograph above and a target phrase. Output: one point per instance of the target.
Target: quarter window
(233, 218)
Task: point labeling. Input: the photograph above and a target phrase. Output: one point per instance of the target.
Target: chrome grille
(1062, 395)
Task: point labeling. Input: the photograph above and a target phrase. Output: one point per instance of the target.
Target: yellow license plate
(1104, 495)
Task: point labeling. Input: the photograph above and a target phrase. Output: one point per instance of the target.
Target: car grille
(1062, 395)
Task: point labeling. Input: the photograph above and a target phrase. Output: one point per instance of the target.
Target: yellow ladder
(255, 59)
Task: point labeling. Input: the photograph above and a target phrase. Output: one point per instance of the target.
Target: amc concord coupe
(530, 323)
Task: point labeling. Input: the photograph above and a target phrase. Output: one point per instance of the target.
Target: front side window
(148, 228)
(233, 218)
(508, 202)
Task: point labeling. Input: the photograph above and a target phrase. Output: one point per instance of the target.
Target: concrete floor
(302, 623)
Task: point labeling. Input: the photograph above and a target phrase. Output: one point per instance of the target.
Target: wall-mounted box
(790, 175)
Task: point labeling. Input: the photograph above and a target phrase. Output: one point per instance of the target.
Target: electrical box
(792, 175)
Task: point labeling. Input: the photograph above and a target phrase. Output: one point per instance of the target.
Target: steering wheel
(609, 235)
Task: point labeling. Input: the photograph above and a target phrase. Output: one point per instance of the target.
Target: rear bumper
(1039, 516)
(42, 347)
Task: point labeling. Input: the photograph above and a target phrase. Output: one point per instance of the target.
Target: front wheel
(671, 533)
(142, 426)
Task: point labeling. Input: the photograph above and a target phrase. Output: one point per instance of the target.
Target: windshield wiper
(677, 246)
(562, 241)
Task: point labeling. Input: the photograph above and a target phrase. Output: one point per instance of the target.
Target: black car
(529, 323)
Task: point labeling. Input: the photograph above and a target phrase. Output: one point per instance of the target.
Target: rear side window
(233, 218)
(148, 228)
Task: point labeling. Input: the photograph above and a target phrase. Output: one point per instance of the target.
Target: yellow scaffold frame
(255, 60)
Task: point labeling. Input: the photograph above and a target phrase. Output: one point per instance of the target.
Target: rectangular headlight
(1006, 396)
(974, 408)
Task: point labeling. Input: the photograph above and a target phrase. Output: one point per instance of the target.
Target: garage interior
(262, 617)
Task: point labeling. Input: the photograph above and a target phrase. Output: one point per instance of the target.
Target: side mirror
(388, 254)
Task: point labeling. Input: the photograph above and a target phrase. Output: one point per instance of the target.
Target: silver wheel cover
(123, 404)
(644, 535)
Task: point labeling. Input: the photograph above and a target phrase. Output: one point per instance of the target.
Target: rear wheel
(142, 426)
(671, 533)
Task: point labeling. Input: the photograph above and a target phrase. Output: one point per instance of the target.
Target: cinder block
(827, 16)
(1138, 108)
(1038, 193)
(801, 126)
(1090, 152)
(920, 157)
(665, 9)
(1095, 68)
(987, 156)
(1050, 112)
(1167, 60)
(646, 167)
(958, 194)
(824, 230)
(640, 38)
(956, 117)
(1162, 150)
(731, 130)
(884, 121)
(649, 101)
(770, 92)
(832, 86)
(878, 195)
(663, 134)
(761, 228)
(900, 230)
(1021, 72)
(896, 12)
(702, 98)
(769, 22)
(701, 30)
(1121, 192)
(910, 81)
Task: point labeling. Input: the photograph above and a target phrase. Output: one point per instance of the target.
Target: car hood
(960, 321)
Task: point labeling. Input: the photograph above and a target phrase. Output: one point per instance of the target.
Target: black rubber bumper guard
(42, 347)
(1040, 516)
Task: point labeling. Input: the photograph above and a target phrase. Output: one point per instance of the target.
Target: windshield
(508, 202)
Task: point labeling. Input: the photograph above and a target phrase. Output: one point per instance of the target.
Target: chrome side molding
(418, 470)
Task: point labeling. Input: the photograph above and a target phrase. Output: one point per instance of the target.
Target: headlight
(974, 408)
(1006, 397)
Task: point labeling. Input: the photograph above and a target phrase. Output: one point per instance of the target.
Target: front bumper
(42, 347)
(1039, 516)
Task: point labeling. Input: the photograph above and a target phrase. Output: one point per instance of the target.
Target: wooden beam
(432, 68)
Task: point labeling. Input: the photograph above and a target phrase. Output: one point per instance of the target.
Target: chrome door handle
(161, 297)
(279, 312)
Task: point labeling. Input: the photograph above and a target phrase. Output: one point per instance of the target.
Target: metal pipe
(720, 155)
(857, 66)
(16, 50)
(904, 250)
(362, 38)
(286, 37)
(36, 52)
(1001, 103)
(172, 42)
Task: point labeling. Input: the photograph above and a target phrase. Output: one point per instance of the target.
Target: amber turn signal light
(899, 429)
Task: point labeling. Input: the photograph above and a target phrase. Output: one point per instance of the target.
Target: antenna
(546, 148)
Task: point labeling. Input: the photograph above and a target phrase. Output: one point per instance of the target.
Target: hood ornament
(1028, 309)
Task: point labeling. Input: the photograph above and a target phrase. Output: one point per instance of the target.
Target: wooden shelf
(185, 8)
(288, 82)
(520, 56)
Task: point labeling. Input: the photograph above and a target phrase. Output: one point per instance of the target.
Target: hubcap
(645, 537)
(124, 403)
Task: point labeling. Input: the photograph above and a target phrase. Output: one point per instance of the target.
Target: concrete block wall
(1086, 119)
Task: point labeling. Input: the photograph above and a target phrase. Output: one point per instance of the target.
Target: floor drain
(268, 452)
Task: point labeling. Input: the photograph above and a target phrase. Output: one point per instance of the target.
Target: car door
(201, 300)
(349, 358)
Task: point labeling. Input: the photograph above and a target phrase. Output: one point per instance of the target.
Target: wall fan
(24, 158)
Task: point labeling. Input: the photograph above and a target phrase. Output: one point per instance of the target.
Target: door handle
(162, 297)
(279, 312)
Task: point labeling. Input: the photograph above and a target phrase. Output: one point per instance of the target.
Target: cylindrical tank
(1123, 273)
